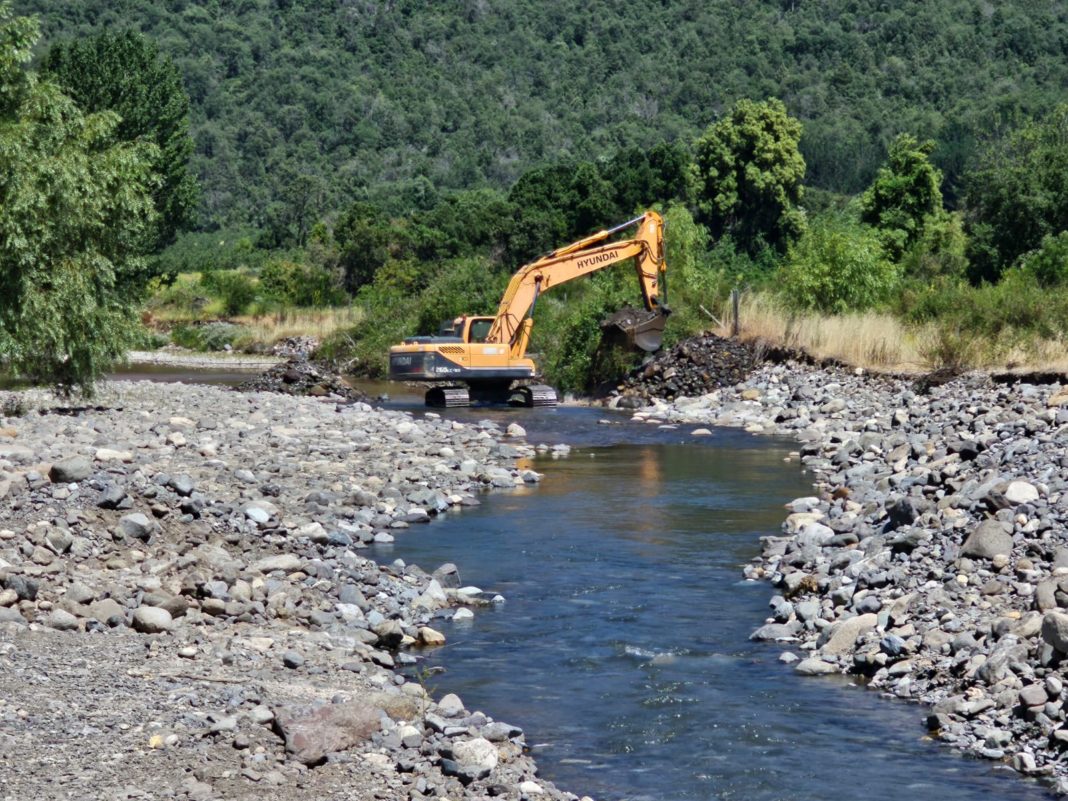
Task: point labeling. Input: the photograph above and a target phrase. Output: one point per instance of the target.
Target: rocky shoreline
(186, 610)
(933, 558)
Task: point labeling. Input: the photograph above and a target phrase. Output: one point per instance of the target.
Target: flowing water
(622, 648)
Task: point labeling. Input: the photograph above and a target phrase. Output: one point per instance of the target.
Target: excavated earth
(932, 558)
(690, 368)
(186, 611)
(299, 375)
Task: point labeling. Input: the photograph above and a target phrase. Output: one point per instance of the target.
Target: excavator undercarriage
(478, 393)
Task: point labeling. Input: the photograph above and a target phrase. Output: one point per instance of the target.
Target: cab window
(479, 330)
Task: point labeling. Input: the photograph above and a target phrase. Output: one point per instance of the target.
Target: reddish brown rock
(311, 734)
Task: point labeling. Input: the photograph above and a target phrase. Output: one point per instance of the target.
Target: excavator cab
(464, 329)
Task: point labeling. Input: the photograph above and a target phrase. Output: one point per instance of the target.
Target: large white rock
(814, 666)
(477, 756)
(1020, 492)
(152, 620)
(842, 636)
(286, 562)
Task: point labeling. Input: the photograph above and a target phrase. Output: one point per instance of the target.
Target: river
(622, 648)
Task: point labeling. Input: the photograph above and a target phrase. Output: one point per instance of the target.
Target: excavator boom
(574, 261)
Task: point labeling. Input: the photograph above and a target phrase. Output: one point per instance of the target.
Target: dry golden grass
(318, 323)
(870, 340)
(883, 343)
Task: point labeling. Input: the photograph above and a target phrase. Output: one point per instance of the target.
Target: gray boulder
(152, 620)
(136, 526)
(840, 638)
(1055, 630)
(989, 539)
(68, 471)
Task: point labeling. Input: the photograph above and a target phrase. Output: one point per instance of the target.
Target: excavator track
(447, 397)
(533, 395)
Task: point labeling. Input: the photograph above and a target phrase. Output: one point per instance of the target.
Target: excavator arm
(512, 324)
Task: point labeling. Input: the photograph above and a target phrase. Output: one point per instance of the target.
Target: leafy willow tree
(749, 172)
(125, 73)
(1018, 196)
(75, 207)
(905, 195)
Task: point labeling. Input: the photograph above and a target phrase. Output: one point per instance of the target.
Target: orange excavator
(483, 359)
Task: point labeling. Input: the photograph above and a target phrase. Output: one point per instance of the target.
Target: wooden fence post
(736, 325)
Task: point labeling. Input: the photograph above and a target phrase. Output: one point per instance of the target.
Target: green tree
(288, 222)
(941, 252)
(75, 207)
(363, 239)
(463, 222)
(641, 178)
(1018, 196)
(837, 266)
(749, 173)
(906, 194)
(1049, 264)
(125, 73)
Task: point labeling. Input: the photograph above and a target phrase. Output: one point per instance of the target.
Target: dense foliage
(75, 210)
(749, 175)
(1019, 194)
(124, 73)
(300, 107)
(403, 159)
(905, 195)
(838, 266)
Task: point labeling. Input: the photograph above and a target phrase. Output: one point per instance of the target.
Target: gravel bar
(187, 611)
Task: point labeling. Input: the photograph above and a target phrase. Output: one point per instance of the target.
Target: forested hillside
(313, 103)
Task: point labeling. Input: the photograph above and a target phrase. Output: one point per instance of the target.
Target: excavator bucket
(637, 328)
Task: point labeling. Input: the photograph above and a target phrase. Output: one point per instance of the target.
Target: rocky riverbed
(186, 610)
(932, 559)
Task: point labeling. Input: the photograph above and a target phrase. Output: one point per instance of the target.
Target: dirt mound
(299, 376)
(693, 367)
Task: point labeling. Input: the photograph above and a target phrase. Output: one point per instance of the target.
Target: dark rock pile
(693, 367)
(299, 376)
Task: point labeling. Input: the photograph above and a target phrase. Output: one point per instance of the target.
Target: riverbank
(185, 611)
(933, 558)
(195, 360)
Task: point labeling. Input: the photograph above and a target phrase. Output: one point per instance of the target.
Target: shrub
(567, 333)
(207, 337)
(1049, 264)
(940, 251)
(235, 289)
(837, 266)
(291, 283)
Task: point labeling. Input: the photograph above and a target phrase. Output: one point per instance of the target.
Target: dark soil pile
(299, 376)
(693, 367)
